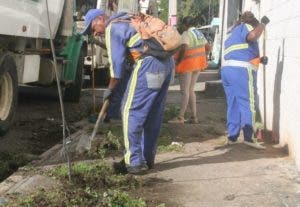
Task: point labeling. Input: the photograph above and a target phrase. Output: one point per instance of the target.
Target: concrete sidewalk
(207, 174)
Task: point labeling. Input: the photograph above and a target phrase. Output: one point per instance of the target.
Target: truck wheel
(73, 91)
(8, 94)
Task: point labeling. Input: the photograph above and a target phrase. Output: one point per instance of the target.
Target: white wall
(283, 70)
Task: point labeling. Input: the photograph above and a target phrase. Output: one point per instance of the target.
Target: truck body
(25, 52)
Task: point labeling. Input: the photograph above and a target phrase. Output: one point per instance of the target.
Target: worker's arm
(258, 30)
(107, 94)
(255, 33)
(112, 83)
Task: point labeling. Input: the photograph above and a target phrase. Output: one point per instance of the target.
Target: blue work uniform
(142, 108)
(124, 47)
(239, 78)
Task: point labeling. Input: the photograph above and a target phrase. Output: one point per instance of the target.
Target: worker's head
(249, 18)
(95, 20)
(188, 22)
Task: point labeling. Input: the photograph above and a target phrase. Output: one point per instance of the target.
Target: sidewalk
(207, 175)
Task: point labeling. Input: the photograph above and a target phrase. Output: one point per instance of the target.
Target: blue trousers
(241, 95)
(143, 107)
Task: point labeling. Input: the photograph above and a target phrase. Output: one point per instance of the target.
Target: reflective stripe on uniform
(251, 97)
(108, 46)
(127, 107)
(236, 47)
(249, 27)
(238, 63)
(133, 39)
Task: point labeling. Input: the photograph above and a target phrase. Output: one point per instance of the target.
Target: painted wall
(283, 70)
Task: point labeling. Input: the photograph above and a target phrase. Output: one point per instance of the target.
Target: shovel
(100, 118)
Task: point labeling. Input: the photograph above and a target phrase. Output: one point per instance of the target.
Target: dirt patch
(37, 127)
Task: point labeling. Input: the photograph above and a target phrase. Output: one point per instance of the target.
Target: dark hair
(249, 18)
(188, 21)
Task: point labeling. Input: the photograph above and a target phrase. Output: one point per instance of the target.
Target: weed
(93, 184)
(119, 198)
(169, 148)
(171, 111)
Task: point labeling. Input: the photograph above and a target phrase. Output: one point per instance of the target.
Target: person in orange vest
(190, 60)
(239, 75)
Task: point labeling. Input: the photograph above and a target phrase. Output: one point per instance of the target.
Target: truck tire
(8, 93)
(72, 92)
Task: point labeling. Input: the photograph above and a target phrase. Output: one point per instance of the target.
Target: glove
(107, 94)
(265, 20)
(264, 60)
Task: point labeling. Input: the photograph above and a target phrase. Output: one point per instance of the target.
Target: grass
(93, 184)
(171, 111)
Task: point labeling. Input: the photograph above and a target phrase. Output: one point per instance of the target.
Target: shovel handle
(100, 118)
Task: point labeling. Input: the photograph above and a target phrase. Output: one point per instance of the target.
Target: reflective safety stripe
(133, 40)
(108, 46)
(126, 111)
(237, 63)
(249, 27)
(236, 47)
(251, 98)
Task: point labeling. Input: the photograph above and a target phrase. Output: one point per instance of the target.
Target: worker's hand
(107, 94)
(265, 20)
(264, 60)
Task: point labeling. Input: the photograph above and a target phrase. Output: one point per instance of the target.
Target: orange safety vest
(194, 59)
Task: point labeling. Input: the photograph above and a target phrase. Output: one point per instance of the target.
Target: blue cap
(89, 17)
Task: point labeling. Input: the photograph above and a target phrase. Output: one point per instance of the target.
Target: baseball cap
(89, 17)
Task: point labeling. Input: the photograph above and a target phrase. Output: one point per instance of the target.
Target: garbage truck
(26, 55)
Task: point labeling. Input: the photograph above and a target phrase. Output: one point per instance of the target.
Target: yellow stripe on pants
(127, 109)
(251, 97)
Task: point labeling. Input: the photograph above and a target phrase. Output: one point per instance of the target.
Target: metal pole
(93, 78)
(67, 140)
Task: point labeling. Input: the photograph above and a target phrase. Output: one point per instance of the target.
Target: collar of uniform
(122, 15)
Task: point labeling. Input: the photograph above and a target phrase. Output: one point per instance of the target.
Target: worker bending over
(143, 101)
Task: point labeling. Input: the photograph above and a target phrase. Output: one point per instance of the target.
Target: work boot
(138, 170)
(230, 142)
(177, 120)
(150, 164)
(254, 143)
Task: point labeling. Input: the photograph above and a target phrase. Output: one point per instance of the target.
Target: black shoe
(138, 170)
(150, 164)
(120, 167)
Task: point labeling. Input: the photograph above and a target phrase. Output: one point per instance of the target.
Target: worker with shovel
(143, 101)
(239, 74)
